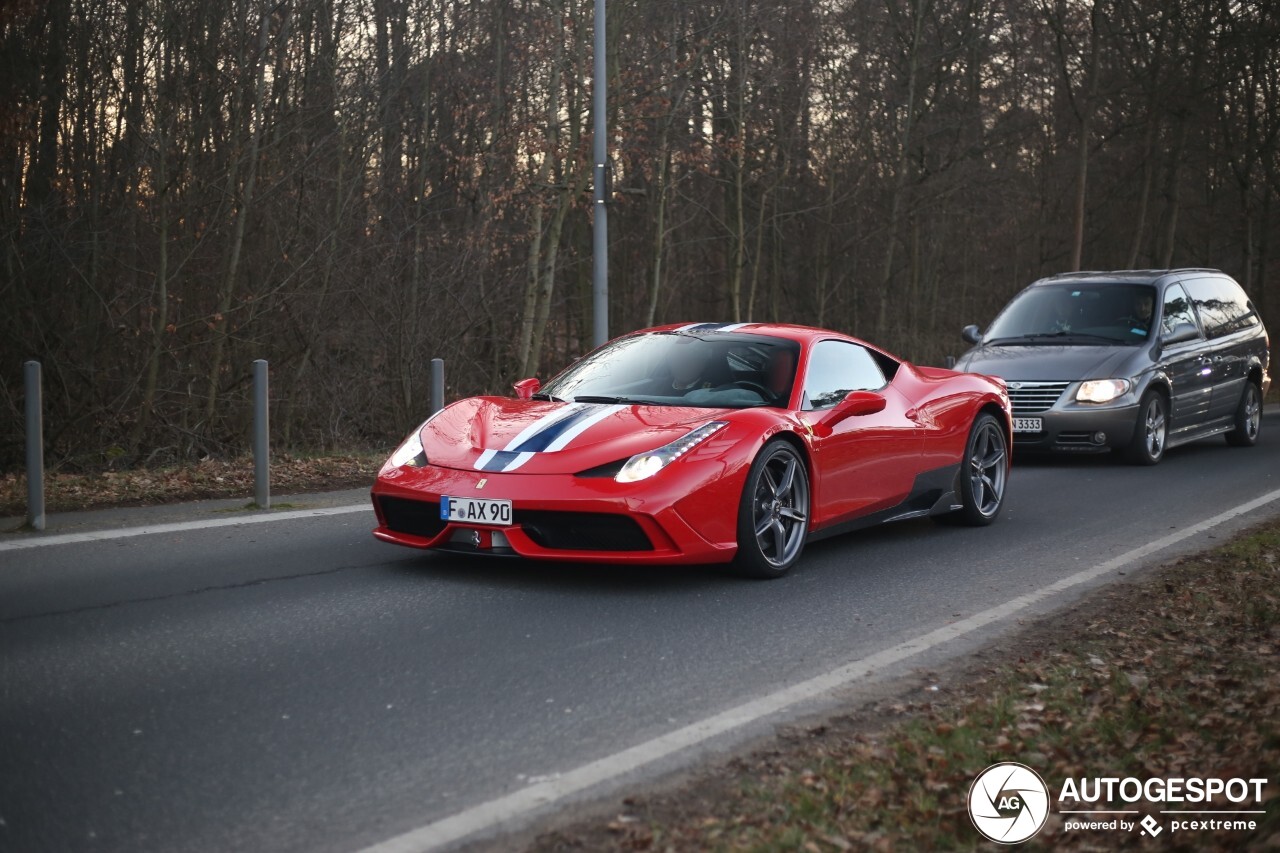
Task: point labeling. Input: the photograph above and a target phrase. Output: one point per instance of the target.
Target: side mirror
(971, 334)
(1180, 334)
(855, 404)
(526, 388)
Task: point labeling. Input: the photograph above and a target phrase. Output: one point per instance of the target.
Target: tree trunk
(160, 302)
(538, 287)
(227, 290)
(903, 166)
(660, 228)
(1149, 139)
(1082, 152)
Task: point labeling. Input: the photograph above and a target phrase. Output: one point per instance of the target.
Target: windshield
(1076, 314)
(705, 370)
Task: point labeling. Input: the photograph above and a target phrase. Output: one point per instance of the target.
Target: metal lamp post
(600, 158)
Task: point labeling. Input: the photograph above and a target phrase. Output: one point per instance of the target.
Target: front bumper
(1076, 427)
(686, 516)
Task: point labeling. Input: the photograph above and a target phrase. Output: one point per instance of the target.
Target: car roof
(778, 330)
(803, 334)
(1119, 277)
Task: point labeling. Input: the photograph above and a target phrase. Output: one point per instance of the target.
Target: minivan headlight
(1102, 390)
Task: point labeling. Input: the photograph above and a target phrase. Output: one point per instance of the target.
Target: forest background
(349, 188)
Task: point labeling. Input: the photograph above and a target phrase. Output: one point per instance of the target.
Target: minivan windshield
(1081, 314)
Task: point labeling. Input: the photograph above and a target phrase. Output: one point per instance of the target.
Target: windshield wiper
(591, 398)
(550, 398)
(1040, 336)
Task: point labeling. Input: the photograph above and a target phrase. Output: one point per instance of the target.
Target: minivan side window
(835, 369)
(1177, 313)
(1222, 306)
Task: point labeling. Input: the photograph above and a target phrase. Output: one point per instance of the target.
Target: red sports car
(701, 443)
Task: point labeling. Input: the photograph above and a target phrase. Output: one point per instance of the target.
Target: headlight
(410, 451)
(1102, 390)
(645, 465)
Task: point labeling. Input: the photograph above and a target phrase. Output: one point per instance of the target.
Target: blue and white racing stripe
(712, 327)
(545, 435)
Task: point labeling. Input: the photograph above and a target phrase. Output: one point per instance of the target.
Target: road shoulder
(1170, 672)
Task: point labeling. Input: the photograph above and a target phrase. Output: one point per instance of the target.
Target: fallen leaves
(1139, 681)
(210, 478)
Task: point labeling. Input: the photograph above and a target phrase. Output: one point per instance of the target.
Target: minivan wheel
(1248, 418)
(1149, 434)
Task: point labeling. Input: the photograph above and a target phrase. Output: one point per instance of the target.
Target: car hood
(1056, 362)
(500, 434)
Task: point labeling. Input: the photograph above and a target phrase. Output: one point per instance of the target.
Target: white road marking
(556, 787)
(176, 527)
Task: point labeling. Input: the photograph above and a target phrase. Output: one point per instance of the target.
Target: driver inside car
(687, 369)
(1139, 320)
(782, 366)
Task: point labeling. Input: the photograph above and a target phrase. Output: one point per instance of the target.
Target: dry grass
(1176, 675)
(208, 479)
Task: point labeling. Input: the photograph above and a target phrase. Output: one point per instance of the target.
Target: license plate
(1028, 425)
(475, 510)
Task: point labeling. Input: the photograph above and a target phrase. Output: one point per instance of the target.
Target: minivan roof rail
(1151, 272)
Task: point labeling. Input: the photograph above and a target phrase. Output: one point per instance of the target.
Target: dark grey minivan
(1135, 360)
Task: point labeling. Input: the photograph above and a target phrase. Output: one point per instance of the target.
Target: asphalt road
(296, 685)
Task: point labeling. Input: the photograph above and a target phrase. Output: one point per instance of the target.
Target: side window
(1242, 313)
(1222, 306)
(1177, 313)
(835, 369)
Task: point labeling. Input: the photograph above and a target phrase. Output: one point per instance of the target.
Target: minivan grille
(1028, 398)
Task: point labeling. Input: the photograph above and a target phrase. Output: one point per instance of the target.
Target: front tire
(984, 473)
(773, 515)
(1248, 418)
(1149, 435)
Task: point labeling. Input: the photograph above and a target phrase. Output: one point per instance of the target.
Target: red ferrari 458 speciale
(701, 443)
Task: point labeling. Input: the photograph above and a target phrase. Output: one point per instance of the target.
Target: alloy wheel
(780, 509)
(1154, 428)
(988, 471)
(1252, 412)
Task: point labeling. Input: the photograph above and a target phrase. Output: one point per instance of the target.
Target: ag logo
(1008, 802)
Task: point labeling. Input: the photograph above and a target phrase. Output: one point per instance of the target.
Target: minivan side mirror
(1180, 333)
(971, 334)
(526, 388)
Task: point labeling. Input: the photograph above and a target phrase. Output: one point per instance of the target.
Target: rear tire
(1151, 432)
(1248, 417)
(984, 474)
(773, 515)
